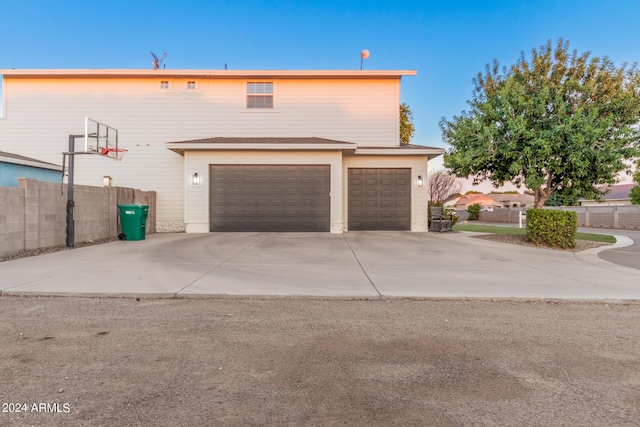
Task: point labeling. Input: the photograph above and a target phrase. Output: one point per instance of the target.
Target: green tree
(559, 121)
(559, 198)
(406, 124)
(635, 195)
(635, 191)
(474, 211)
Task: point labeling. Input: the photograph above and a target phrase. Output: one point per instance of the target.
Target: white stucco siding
(196, 209)
(41, 113)
(419, 197)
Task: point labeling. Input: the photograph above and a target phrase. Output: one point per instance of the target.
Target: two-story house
(230, 150)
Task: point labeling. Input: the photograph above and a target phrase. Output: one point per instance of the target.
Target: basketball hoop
(114, 153)
(105, 139)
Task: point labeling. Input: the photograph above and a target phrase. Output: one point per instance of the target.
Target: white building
(234, 150)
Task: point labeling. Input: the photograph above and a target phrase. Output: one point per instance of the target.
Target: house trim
(215, 74)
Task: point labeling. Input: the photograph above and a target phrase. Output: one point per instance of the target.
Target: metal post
(70, 202)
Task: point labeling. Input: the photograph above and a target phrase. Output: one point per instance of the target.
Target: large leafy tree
(635, 195)
(558, 121)
(406, 124)
(635, 191)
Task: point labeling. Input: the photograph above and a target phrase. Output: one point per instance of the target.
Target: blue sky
(448, 42)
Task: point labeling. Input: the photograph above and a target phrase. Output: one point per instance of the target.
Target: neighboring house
(615, 195)
(14, 166)
(510, 200)
(494, 200)
(470, 199)
(230, 150)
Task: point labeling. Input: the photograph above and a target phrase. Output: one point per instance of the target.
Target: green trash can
(133, 221)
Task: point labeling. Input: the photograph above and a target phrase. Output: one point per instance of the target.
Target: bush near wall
(474, 211)
(447, 213)
(552, 228)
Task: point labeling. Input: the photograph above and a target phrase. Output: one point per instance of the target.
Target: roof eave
(219, 74)
(35, 164)
(430, 152)
(180, 147)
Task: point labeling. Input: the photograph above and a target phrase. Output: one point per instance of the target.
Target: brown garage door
(269, 197)
(379, 199)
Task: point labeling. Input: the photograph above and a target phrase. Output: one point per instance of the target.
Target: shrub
(474, 211)
(552, 228)
(450, 213)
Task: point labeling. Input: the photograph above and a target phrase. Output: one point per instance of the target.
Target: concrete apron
(368, 265)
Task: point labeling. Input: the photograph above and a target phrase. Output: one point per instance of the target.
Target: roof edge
(112, 73)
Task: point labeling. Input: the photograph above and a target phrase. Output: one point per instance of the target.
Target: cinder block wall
(616, 217)
(34, 215)
(629, 217)
(11, 220)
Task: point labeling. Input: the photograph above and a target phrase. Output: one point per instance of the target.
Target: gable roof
(494, 199)
(511, 197)
(620, 191)
(614, 192)
(481, 199)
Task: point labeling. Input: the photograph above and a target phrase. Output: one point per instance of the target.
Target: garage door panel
(379, 199)
(270, 197)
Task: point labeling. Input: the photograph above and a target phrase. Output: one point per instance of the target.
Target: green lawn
(605, 238)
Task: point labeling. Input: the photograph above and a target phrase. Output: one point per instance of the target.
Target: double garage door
(297, 198)
(270, 197)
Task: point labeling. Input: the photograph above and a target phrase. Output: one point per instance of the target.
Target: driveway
(356, 264)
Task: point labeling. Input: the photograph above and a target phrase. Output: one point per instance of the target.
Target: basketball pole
(105, 150)
(70, 202)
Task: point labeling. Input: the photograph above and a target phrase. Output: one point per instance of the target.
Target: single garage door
(270, 197)
(379, 199)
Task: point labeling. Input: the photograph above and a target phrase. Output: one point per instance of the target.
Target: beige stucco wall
(419, 196)
(196, 208)
(41, 113)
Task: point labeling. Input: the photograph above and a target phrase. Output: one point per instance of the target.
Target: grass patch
(480, 228)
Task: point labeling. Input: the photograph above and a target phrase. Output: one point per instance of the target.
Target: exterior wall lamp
(420, 181)
(195, 179)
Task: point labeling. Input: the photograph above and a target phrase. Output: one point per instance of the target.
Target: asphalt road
(628, 256)
(287, 362)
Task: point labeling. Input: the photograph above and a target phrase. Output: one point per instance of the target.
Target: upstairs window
(260, 95)
(191, 85)
(164, 84)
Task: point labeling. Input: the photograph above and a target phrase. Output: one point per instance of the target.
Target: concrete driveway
(355, 264)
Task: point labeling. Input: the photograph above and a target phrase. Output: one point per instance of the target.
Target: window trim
(264, 95)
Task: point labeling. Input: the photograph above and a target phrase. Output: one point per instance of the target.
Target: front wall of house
(41, 113)
(197, 196)
(10, 172)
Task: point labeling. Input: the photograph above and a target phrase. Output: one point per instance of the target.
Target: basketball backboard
(101, 139)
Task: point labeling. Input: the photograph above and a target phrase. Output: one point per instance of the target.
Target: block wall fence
(625, 217)
(33, 215)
